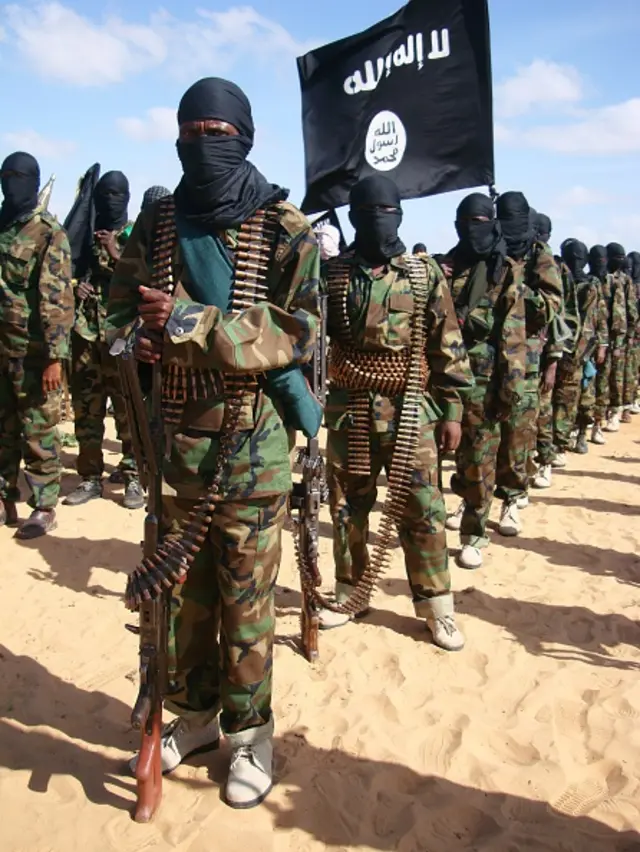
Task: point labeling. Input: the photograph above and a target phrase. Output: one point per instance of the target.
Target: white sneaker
(523, 502)
(543, 477)
(509, 520)
(559, 461)
(613, 423)
(596, 435)
(441, 622)
(186, 735)
(329, 619)
(454, 522)
(635, 408)
(470, 557)
(251, 771)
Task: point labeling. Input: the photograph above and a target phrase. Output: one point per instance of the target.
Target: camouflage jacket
(263, 337)
(380, 311)
(494, 332)
(543, 300)
(631, 303)
(602, 319)
(613, 293)
(36, 294)
(91, 312)
(589, 338)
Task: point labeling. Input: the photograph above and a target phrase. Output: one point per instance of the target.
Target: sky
(86, 82)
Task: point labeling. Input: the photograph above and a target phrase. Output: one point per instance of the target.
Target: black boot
(133, 495)
(89, 489)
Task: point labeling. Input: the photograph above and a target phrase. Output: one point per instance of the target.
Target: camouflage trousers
(631, 360)
(28, 431)
(566, 397)
(223, 616)
(518, 444)
(476, 459)
(94, 377)
(422, 532)
(609, 385)
(586, 406)
(544, 441)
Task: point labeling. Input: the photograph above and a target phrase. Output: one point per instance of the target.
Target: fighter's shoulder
(292, 221)
(43, 228)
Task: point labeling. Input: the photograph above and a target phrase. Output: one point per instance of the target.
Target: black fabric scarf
(20, 190)
(542, 227)
(376, 239)
(616, 257)
(598, 261)
(480, 241)
(220, 188)
(111, 200)
(517, 228)
(575, 254)
(634, 263)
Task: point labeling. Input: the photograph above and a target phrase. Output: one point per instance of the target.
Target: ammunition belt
(406, 444)
(380, 372)
(257, 239)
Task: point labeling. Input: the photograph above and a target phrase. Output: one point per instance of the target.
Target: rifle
(153, 629)
(307, 497)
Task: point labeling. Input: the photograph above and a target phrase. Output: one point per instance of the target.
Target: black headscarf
(20, 190)
(514, 215)
(480, 240)
(616, 257)
(575, 254)
(376, 238)
(598, 261)
(153, 194)
(220, 188)
(634, 266)
(111, 200)
(542, 227)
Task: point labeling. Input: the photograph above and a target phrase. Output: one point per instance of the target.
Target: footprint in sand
(580, 799)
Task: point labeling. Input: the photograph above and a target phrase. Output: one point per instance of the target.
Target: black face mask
(376, 230)
(598, 261)
(634, 266)
(478, 239)
(111, 200)
(517, 228)
(542, 227)
(616, 257)
(19, 189)
(575, 254)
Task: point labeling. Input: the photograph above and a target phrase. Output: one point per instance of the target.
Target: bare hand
(549, 380)
(84, 290)
(156, 308)
(449, 437)
(107, 239)
(601, 356)
(148, 350)
(52, 377)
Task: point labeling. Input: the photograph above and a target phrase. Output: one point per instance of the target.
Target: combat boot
(89, 489)
(133, 495)
(330, 619)
(509, 524)
(613, 423)
(470, 557)
(40, 522)
(596, 435)
(581, 444)
(251, 771)
(441, 621)
(454, 521)
(192, 733)
(543, 477)
(8, 513)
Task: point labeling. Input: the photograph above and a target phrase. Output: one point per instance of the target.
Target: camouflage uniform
(587, 398)
(543, 301)
(223, 617)
(36, 315)
(94, 375)
(630, 380)
(494, 333)
(380, 310)
(610, 380)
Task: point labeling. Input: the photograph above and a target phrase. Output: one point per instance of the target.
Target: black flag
(410, 98)
(80, 222)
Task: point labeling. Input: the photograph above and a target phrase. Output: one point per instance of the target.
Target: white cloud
(541, 84)
(159, 123)
(59, 43)
(40, 146)
(608, 130)
(580, 196)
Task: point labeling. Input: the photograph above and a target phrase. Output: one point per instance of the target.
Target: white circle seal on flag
(386, 141)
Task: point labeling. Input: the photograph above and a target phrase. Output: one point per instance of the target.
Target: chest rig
(257, 239)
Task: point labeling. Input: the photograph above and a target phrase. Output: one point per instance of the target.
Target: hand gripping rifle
(153, 630)
(307, 497)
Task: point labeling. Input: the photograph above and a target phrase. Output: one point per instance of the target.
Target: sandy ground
(527, 740)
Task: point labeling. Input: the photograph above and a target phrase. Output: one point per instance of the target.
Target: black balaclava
(598, 261)
(220, 188)
(575, 254)
(20, 190)
(111, 200)
(419, 248)
(480, 240)
(616, 257)
(514, 215)
(542, 227)
(153, 194)
(376, 239)
(634, 266)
